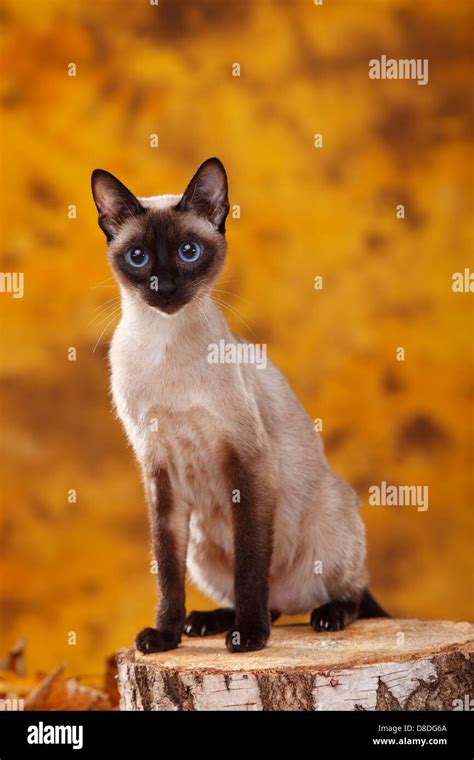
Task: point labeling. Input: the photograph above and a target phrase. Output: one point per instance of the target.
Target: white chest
(170, 416)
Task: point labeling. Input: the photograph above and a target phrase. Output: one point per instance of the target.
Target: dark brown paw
(334, 616)
(150, 640)
(246, 639)
(209, 623)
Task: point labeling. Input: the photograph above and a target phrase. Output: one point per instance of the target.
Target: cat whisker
(114, 298)
(104, 313)
(103, 317)
(102, 308)
(101, 284)
(228, 292)
(234, 311)
(202, 312)
(105, 328)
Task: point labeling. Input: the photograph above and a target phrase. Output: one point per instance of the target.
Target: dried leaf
(55, 693)
(15, 659)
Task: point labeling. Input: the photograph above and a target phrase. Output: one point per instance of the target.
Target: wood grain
(373, 665)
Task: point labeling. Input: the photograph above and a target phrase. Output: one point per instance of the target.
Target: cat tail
(370, 608)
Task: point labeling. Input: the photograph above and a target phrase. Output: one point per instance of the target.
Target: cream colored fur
(178, 410)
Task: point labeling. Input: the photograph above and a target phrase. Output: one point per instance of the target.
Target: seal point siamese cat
(238, 487)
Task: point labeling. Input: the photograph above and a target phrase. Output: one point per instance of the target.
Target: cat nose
(167, 287)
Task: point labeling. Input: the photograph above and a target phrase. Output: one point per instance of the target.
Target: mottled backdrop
(305, 211)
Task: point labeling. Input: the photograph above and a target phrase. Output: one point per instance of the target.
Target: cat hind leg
(335, 615)
(214, 621)
(209, 623)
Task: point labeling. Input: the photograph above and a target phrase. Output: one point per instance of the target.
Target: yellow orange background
(305, 211)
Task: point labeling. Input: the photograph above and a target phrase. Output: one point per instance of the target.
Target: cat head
(169, 249)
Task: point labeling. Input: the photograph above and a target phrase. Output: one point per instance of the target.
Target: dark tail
(369, 608)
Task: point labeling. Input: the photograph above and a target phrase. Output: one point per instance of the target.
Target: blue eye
(189, 252)
(137, 257)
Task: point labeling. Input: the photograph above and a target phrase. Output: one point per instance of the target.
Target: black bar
(308, 734)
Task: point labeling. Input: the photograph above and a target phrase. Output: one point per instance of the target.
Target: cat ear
(115, 203)
(206, 194)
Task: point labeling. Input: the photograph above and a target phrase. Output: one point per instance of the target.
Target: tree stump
(381, 664)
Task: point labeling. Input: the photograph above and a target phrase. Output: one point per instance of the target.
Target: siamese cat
(238, 487)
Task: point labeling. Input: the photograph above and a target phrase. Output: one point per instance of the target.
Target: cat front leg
(252, 517)
(170, 530)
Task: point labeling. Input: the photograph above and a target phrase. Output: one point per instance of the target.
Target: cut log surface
(381, 664)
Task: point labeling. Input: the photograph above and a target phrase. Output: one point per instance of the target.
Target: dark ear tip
(99, 173)
(214, 161)
(95, 176)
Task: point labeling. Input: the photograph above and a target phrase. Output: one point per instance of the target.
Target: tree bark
(381, 664)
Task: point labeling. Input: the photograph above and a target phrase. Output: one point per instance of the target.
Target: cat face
(171, 251)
